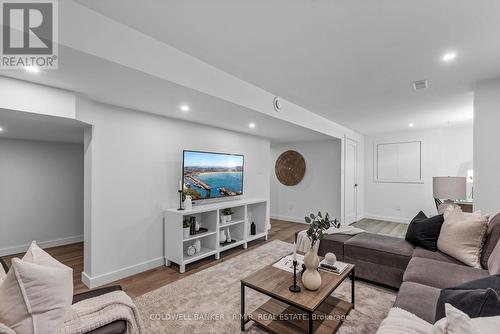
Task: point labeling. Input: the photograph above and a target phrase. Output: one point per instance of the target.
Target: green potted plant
(316, 231)
(226, 215)
(186, 224)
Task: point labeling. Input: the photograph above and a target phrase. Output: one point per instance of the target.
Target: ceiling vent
(420, 84)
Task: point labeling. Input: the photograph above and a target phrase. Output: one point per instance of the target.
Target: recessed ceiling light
(251, 125)
(411, 125)
(449, 56)
(185, 107)
(1, 129)
(32, 69)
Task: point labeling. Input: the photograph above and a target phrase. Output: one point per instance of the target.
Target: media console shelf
(245, 211)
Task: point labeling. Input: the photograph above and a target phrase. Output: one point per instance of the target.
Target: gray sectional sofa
(419, 274)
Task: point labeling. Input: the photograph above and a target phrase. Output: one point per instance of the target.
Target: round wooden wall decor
(290, 168)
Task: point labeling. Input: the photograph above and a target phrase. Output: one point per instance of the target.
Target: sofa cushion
(463, 238)
(418, 299)
(478, 298)
(379, 249)
(437, 255)
(334, 243)
(492, 237)
(424, 232)
(440, 274)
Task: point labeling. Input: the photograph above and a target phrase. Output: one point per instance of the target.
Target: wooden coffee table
(303, 312)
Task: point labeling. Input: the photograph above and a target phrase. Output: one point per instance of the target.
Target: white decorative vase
(311, 277)
(197, 245)
(188, 203)
(222, 237)
(185, 232)
(225, 219)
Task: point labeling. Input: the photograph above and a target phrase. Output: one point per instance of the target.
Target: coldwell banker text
(29, 34)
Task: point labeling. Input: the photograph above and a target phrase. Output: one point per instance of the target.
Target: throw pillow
(424, 232)
(2, 274)
(402, 321)
(37, 255)
(478, 298)
(463, 238)
(457, 322)
(494, 260)
(36, 293)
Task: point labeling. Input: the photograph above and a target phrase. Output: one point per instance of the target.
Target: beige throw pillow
(462, 238)
(36, 294)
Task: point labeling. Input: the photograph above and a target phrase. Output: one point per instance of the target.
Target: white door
(351, 181)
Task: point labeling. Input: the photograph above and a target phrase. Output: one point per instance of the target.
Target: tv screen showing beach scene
(212, 175)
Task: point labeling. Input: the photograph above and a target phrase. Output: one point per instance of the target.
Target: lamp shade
(449, 187)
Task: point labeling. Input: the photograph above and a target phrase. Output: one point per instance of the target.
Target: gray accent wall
(319, 190)
(41, 194)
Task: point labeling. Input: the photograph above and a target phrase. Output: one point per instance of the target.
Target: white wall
(136, 164)
(445, 152)
(486, 146)
(320, 190)
(41, 194)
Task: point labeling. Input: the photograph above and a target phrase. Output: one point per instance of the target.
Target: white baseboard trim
(289, 219)
(43, 244)
(388, 218)
(96, 281)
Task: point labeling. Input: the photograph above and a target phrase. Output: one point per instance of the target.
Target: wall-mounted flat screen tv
(212, 175)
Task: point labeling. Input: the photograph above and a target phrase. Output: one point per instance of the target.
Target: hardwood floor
(382, 227)
(72, 255)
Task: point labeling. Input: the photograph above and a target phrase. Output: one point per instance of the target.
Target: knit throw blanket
(96, 312)
(5, 330)
(304, 244)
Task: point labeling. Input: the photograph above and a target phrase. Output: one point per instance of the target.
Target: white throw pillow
(2, 274)
(463, 238)
(36, 294)
(457, 322)
(400, 321)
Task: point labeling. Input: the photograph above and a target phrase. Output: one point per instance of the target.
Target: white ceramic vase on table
(188, 203)
(225, 219)
(222, 237)
(311, 277)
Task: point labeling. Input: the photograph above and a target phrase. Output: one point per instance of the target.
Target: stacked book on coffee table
(286, 263)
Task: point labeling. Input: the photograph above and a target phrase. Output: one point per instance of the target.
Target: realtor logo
(29, 34)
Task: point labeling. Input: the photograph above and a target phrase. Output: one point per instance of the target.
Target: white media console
(245, 211)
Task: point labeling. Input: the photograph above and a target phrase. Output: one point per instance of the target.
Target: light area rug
(209, 301)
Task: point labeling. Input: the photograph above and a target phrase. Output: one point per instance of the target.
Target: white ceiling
(28, 126)
(111, 83)
(350, 61)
